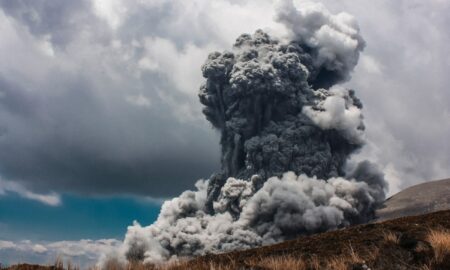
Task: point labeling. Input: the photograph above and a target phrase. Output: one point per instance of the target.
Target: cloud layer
(83, 253)
(84, 111)
(92, 102)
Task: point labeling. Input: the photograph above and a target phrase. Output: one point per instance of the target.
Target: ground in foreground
(415, 242)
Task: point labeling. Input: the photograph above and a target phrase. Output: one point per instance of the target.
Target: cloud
(113, 12)
(405, 86)
(338, 112)
(84, 252)
(66, 120)
(139, 100)
(51, 199)
(7, 245)
(335, 39)
(92, 102)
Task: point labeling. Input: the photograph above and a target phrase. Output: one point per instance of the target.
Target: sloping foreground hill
(417, 200)
(415, 242)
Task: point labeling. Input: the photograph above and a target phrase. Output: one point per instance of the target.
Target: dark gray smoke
(261, 98)
(287, 130)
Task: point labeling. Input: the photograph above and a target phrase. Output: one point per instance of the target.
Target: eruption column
(287, 130)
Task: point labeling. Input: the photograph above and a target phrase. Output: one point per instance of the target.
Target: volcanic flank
(287, 131)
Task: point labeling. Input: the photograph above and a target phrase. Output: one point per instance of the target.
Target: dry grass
(71, 266)
(270, 263)
(440, 241)
(314, 263)
(354, 257)
(337, 263)
(59, 263)
(343, 262)
(174, 265)
(350, 259)
(425, 267)
(279, 263)
(390, 237)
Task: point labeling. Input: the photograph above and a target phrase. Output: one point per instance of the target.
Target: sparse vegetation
(279, 263)
(268, 263)
(391, 237)
(440, 241)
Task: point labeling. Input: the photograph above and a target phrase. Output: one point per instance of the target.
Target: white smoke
(287, 132)
(337, 109)
(282, 208)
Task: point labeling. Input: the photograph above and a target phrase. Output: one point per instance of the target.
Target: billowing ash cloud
(333, 41)
(287, 131)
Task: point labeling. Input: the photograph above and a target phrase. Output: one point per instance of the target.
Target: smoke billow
(287, 131)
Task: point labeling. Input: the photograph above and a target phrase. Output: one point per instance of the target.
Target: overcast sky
(99, 98)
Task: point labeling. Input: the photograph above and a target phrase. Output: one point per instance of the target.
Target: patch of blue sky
(76, 218)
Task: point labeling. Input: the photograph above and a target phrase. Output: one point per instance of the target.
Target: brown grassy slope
(369, 242)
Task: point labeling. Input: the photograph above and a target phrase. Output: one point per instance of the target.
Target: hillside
(420, 199)
(395, 244)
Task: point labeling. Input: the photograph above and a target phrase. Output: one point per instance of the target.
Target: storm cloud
(89, 92)
(79, 114)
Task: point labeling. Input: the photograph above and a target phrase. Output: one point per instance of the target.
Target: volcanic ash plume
(287, 130)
